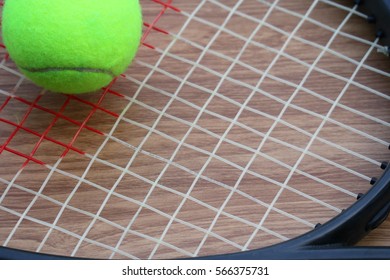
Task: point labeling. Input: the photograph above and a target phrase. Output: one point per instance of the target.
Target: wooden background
(87, 109)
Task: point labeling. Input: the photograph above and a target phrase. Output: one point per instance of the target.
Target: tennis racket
(246, 129)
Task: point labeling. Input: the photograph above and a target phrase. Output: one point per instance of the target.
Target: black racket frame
(334, 239)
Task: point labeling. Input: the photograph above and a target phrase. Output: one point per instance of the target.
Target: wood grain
(164, 162)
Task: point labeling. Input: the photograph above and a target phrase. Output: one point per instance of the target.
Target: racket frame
(333, 239)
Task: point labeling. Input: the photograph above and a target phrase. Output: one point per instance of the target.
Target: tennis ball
(72, 46)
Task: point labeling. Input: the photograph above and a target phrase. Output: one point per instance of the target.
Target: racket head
(147, 100)
(329, 241)
(378, 12)
(333, 239)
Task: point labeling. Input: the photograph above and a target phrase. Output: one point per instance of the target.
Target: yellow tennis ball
(72, 46)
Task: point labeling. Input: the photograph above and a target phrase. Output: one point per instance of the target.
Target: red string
(31, 157)
(152, 26)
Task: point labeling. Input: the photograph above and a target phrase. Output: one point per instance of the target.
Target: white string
(260, 113)
(282, 112)
(310, 143)
(300, 39)
(219, 31)
(197, 175)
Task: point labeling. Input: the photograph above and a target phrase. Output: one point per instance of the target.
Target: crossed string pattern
(153, 126)
(59, 115)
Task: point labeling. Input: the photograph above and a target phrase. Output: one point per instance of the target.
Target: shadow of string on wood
(226, 134)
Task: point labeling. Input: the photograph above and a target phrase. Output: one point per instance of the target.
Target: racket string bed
(241, 125)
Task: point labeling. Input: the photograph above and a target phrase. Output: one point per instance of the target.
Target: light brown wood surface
(179, 152)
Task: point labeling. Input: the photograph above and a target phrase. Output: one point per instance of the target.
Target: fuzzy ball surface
(72, 46)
